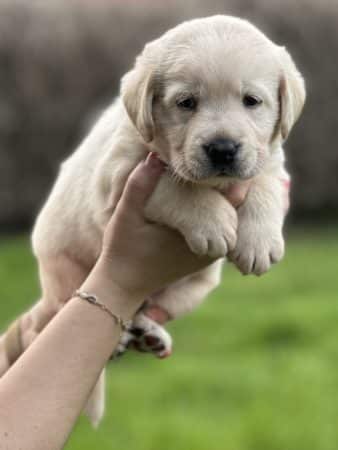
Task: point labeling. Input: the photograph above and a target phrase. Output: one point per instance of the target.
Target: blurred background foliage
(255, 368)
(61, 62)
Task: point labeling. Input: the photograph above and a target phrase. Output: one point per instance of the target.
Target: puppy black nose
(221, 152)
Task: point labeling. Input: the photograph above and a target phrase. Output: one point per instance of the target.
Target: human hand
(140, 256)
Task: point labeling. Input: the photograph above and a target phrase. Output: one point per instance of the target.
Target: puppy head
(213, 96)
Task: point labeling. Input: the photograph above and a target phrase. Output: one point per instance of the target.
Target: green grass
(255, 368)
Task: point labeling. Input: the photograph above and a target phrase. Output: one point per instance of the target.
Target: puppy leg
(185, 295)
(178, 299)
(204, 217)
(94, 408)
(26, 328)
(22, 332)
(260, 240)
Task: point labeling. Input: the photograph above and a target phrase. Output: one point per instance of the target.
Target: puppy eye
(251, 101)
(188, 103)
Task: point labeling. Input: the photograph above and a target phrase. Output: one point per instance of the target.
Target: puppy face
(213, 96)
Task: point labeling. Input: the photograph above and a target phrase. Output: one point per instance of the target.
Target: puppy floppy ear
(291, 94)
(137, 91)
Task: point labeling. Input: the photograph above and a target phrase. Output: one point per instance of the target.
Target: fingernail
(154, 162)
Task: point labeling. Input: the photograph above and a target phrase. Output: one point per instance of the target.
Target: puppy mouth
(209, 175)
(236, 174)
(213, 179)
(226, 172)
(202, 172)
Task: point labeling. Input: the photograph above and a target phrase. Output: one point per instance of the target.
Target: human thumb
(141, 184)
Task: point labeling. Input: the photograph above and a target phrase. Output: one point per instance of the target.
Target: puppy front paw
(214, 232)
(258, 247)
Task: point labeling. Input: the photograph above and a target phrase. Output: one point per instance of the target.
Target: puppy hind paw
(146, 336)
(150, 337)
(152, 343)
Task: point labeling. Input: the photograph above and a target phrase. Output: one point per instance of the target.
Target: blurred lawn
(256, 368)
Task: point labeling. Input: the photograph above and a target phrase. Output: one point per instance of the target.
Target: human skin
(46, 389)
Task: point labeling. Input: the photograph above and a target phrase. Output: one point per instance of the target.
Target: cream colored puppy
(216, 99)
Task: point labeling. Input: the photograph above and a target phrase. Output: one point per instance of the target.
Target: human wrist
(118, 299)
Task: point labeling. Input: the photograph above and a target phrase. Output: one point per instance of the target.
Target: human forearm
(48, 386)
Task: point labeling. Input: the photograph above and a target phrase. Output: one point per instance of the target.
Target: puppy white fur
(216, 79)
